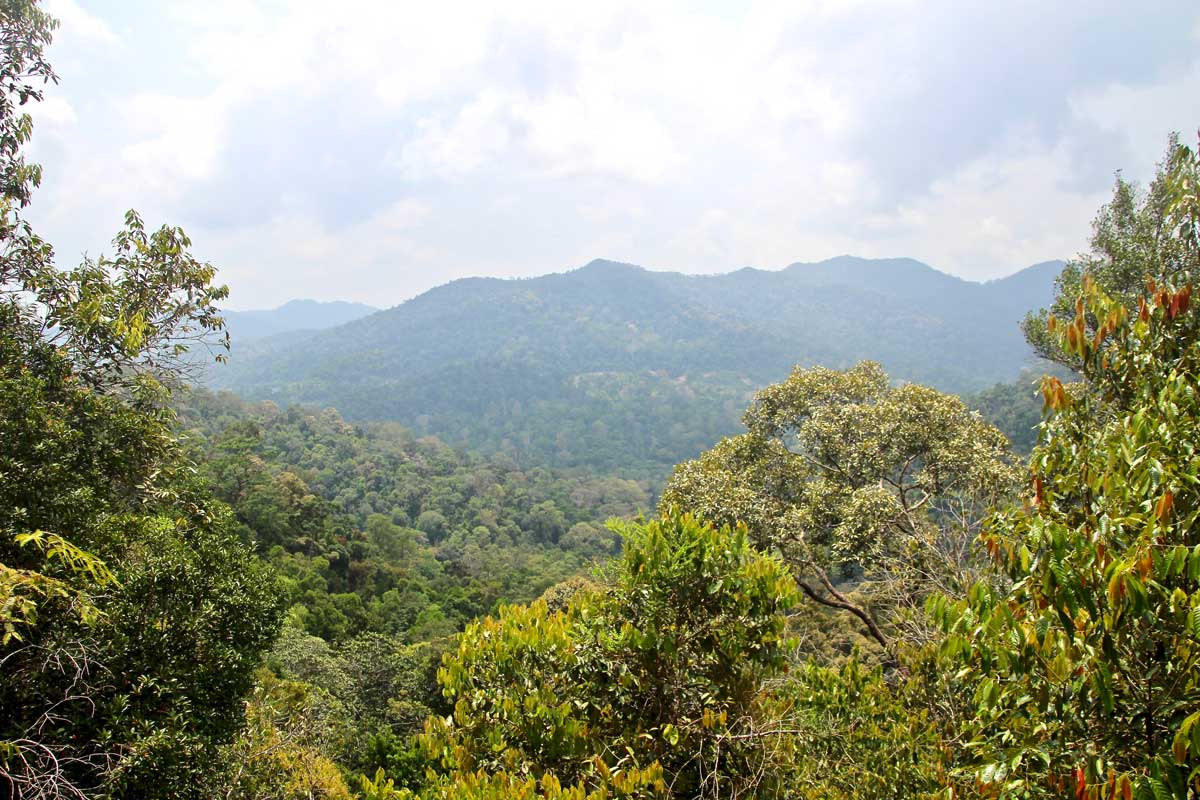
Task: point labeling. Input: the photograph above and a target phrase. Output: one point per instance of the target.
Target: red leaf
(1163, 509)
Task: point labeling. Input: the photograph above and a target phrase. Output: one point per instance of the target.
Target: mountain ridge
(490, 362)
(295, 315)
(597, 264)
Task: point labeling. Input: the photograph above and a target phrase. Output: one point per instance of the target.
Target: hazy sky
(371, 150)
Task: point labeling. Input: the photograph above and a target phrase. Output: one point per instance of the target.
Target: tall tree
(130, 614)
(850, 478)
(1134, 237)
(1085, 673)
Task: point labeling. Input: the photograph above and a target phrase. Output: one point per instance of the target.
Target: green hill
(617, 367)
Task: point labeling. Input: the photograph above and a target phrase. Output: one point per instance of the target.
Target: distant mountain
(615, 366)
(297, 315)
(1036, 281)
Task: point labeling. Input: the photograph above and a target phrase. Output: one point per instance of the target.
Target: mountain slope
(612, 365)
(296, 315)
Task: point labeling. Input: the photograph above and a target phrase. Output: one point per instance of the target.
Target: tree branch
(840, 600)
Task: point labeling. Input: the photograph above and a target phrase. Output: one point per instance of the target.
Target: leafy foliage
(1071, 672)
(662, 670)
(846, 476)
(378, 530)
(280, 753)
(1016, 408)
(139, 617)
(132, 618)
(1135, 236)
(387, 543)
(146, 575)
(1086, 670)
(23, 590)
(25, 31)
(858, 735)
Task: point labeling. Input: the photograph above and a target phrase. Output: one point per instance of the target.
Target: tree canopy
(1139, 234)
(850, 478)
(651, 686)
(131, 618)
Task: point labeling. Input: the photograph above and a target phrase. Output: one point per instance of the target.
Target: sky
(369, 151)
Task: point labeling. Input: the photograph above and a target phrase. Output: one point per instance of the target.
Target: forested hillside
(864, 590)
(377, 530)
(621, 369)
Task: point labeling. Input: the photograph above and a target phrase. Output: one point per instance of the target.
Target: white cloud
(365, 259)
(407, 144)
(80, 25)
(176, 139)
(568, 135)
(991, 214)
(401, 215)
(1140, 114)
(54, 114)
(478, 133)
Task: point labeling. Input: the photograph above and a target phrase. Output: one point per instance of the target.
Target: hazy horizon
(666, 270)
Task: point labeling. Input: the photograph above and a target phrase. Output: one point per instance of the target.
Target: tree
(1073, 671)
(132, 617)
(652, 687)
(156, 617)
(1134, 237)
(1016, 408)
(25, 31)
(849, 478)
(1086, 673)
(280, 753)
(858, 733)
